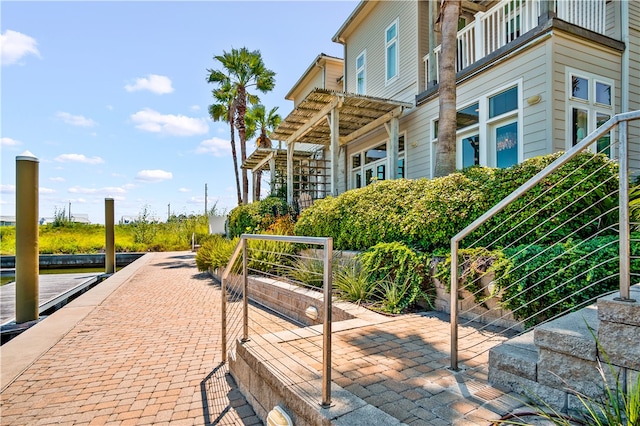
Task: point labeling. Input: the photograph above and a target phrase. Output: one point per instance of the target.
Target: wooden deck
(54, 289)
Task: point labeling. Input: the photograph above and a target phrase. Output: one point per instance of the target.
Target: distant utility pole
(69, 211)
(168, 212)
(206, 211)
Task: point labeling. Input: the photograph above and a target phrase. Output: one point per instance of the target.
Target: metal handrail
(620, 120)
(327, 243)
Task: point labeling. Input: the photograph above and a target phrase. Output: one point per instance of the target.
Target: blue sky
(112, 96)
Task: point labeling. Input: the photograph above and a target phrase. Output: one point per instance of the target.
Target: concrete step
(572, 334)
(517, 356)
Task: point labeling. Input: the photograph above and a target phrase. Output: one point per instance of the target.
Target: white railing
(510, 19)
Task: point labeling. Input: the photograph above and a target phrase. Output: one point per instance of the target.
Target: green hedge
(426, 213)
(581, 271)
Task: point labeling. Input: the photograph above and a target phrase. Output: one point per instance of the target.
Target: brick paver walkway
(150, 354)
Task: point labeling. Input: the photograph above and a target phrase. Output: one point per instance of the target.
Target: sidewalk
(143, 347)
(143, 350)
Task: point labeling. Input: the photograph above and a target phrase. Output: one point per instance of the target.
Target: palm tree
(446, 146)
(259, 121)
(225, 110)
(242, 70)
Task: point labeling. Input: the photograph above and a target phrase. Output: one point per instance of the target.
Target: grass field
(75, 238)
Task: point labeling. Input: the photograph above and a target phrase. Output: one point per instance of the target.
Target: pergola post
(290, 172)
(394, 130)
(335, 149)
(272, 173)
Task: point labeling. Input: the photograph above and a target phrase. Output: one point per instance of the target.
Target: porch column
(392, 149)
(254, 182)
(335, 149)
(290, 172)
(272, 172)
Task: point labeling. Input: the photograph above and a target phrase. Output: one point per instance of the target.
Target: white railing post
(479, 36)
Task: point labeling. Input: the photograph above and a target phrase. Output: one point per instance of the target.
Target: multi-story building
(533, 77)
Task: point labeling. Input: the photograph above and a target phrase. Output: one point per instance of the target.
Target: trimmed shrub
(540, 282)
(426, 213)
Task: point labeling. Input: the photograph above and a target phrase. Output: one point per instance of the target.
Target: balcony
(510, 19)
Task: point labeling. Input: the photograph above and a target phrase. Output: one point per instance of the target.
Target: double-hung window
(590, 104)
(361, 76)
(391, 52)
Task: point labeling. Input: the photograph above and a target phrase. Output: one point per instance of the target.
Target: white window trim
(592, 107)
(488, 156)
(364, 72)
(395, 40)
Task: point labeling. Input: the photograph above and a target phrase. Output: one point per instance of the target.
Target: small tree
(259, 121)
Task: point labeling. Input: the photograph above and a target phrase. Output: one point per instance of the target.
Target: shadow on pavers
(222, 402)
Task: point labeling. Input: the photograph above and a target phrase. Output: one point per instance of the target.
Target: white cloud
(154, 175)
(7, 189)
(9, 142)
(57, 179)
(184, 190)
(75, 120)
(14, 46)
(169, 124)
(78, 158)
(106, 190)
(158, 84)
(44, 190)
(216, 146)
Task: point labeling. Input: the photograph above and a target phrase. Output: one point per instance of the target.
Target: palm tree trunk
(446, 146)
(234, 154)
(242, 133)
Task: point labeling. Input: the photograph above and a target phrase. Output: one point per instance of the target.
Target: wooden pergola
(333, 119)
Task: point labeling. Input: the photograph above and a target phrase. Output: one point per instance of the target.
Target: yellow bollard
(27, 257)
(110, 240)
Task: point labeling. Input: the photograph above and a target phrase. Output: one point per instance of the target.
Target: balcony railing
(510, 19)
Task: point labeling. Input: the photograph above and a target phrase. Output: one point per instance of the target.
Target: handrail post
(223, 313)
(326, 327)
(625, 234)
(454, 304)
(245, 295)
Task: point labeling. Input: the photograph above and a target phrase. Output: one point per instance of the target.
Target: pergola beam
(262, 162)
(397, 112)
(314, 119)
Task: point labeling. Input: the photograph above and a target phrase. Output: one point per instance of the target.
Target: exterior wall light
(311, 312)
